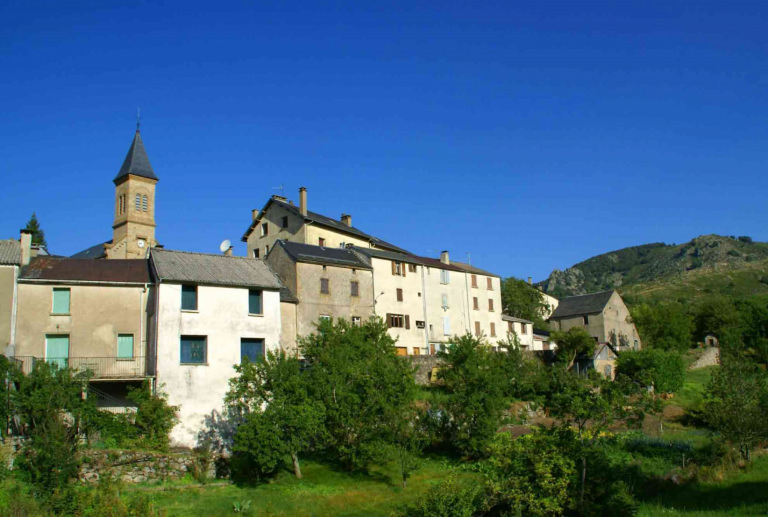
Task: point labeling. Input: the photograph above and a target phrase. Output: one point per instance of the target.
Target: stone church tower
(133, 232)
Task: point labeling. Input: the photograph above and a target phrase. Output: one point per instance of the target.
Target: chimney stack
(346, 219)
(530, 280)
(303, 200)
(254, 213)
(444, 257)
(26, 247)
(228, 253)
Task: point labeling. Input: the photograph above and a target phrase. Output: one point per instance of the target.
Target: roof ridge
(163, 250)
(589, 294)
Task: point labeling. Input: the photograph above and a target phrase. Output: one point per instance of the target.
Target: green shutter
(57, 349)
(254, 301)
(60, 301)
(125, 346)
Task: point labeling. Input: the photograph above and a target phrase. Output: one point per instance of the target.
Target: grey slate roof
(10, 252)
(322, 255)
(207, 269)
(389, 255)
(94, 252)
(582, 304)
(136, 161)
(472, 269)
(324, 221)
(507, 317)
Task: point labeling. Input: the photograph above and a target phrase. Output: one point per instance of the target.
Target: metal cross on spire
(138, 119)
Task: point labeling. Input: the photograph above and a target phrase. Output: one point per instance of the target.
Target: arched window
(144, 203)
(138, 202)
(120, 204)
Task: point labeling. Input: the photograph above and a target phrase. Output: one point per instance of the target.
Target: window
(354, 287)
(256, 253)
(324, 286)
(637, 344)
(254, 301)
(321, 241)
(342, 245)
(490, 305)
(120, 204)
(475, 303)
(490, 283)
(284, 222)
(325, 317)
(396, 321)
(125, 346)
(444, 277)
(420, 324)
(356, 321)
(523, 328)
(493, 330)
(586, 319)
(143, 203)
(444, 301)
(137, 202)
(264, 229)
(411, 268)
(474, 280)
(446, 326)
(477, 328)
(266, 250)
(398, 268)
(60, 300)
(399, 295)
(57, 349)
(194, 350)
(189, 297)
(252, 349)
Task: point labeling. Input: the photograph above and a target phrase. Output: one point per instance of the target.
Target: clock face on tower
(140, 243)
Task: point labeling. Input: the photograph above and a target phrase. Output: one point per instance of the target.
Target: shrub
(450, 498)
(665, 371)
(257, 451)
(154, 417)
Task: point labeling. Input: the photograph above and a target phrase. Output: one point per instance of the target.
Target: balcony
(96, 368)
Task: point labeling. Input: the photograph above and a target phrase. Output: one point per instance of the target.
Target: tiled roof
(322, 255)
(136, 161)
(324, 221)
(582, 304)
(507, 317)
(10, 252)
(108, 271)
(472, 269)
(207, 269)
(94, 252)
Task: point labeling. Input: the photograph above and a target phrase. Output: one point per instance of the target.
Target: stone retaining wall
(425, 366)
(138, 466)
(710, 357)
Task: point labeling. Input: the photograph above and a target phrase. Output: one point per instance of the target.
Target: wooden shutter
(389, 321)
(403, 268)
(477, 328)
(394, 271)
(407, 322)
(399, 295)
(490, 283)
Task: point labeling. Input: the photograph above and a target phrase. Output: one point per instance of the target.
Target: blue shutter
(193, 350)
(125, 346)
(61, 301)
(253, 349)
(189, 297)
(254, 302)
(57, 350)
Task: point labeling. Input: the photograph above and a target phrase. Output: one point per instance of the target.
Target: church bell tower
(133, 232)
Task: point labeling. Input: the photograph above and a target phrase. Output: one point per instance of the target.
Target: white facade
(222, 318)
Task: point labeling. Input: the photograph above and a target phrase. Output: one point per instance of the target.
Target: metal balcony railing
(93, 367)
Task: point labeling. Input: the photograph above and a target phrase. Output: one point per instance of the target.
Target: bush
(452, 498)
(154, 417)
(665, 371)
(257, 452)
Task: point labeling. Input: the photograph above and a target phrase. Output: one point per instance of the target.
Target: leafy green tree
(665, 371)
(38, 235)
(736, 403)
(475, 383)
(666, 326)
(362, 384)
(408, 441)
(529, 475)
(753, 316)
(571, 344)
(717, 316)
(273, 396)
(522, 300)
(452, 497)
(154, 418)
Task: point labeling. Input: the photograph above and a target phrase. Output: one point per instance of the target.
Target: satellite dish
(225, 245)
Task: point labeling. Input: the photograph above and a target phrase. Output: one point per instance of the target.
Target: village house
(10, 262)
(211, 312)
(603, 315)
(524, 330)
(328, 282)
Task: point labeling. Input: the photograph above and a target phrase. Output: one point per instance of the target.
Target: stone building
(524, 330)
(211, 312)
(603, 315)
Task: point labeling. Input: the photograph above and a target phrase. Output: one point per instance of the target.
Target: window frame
(189, 338)
(474, 281)
(253, 340)
(264, 229)
(354, 288)
(357, 321)
(475, 304)
(478, 330)
(261, 302)
(188, 287)
(55, 290)
(284, 222)
(399, 294)
(493, 329)
(133, 347)
(490, 305)
(325, 286)
(396, 321)
(489, 281)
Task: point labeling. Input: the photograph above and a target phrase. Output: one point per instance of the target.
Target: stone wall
(710, 357)
(137, 466)
(425, 365)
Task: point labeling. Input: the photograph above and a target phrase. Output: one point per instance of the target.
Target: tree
(452, 497)
(272, 396)
(753, 316)
(666, 326)
(572, 344)
(522, 300)
(736, 403)
(38, 235)
(475, 383)
(408, 441)
(717, 316)
(155, 418)
(362, 384)
(665, 371)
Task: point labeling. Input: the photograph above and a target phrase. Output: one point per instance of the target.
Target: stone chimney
(303, 200)
(26, 247)
(444, 257)
(228, 253)
(346, 219)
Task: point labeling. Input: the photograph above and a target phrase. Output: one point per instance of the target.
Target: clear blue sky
(531, 134)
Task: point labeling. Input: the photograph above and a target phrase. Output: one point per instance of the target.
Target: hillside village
(128, 309)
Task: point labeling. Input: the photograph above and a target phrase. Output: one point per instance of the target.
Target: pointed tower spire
(136, 161)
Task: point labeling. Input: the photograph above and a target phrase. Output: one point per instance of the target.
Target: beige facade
(607, 322)
(523, 329)
(8, 274)
(133, 232)
(289, 315)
